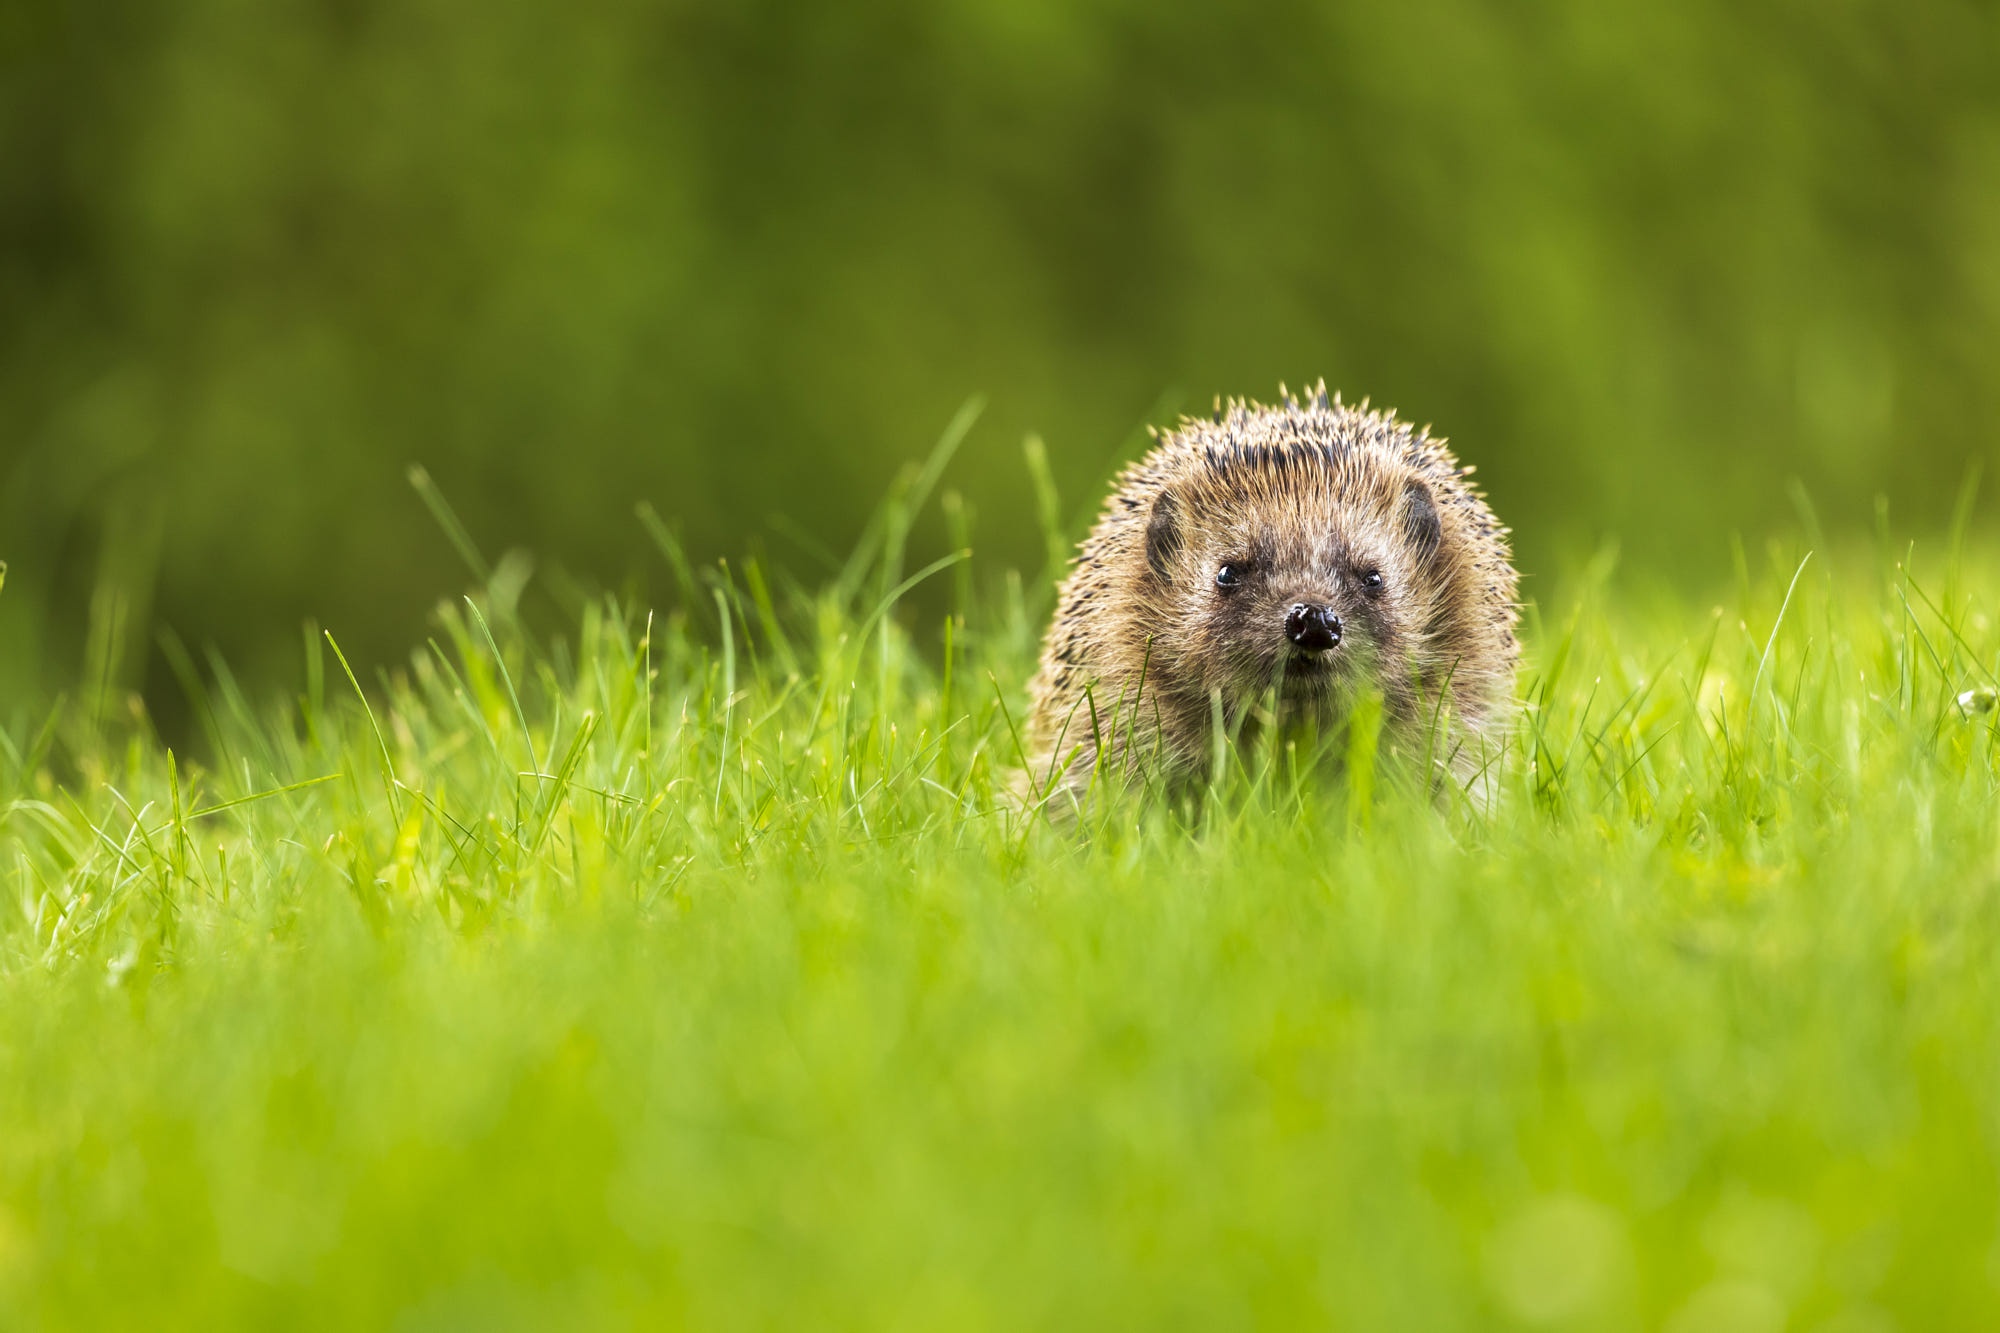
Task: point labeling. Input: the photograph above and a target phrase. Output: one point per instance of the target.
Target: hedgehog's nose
(1312, 628)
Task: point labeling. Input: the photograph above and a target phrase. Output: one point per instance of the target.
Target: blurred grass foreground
(690, 969)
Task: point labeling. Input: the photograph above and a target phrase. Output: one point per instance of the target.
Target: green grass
(691, 970)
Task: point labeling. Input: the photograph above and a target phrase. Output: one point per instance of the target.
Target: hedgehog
(1270, 566)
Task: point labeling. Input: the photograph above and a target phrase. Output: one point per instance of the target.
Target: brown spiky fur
(1305, 500)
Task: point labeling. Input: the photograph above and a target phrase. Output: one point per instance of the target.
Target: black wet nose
(1313, 628)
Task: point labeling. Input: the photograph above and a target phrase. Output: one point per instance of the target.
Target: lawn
(690, 968)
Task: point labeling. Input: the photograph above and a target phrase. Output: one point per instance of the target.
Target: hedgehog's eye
(1371, 580)
(1228, 576)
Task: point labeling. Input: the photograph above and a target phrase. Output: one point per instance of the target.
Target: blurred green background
(1645, 265)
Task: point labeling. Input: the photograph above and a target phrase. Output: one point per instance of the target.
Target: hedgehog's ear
(1163, 535)
(1420, 519)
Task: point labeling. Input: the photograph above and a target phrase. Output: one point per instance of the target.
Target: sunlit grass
(694, 966)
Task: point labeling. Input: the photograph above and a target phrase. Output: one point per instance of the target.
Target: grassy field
(690, 969)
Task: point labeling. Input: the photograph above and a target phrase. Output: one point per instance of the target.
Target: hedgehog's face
(1312, 590)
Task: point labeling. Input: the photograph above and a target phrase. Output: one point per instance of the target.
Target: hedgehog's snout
(1311, 627)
